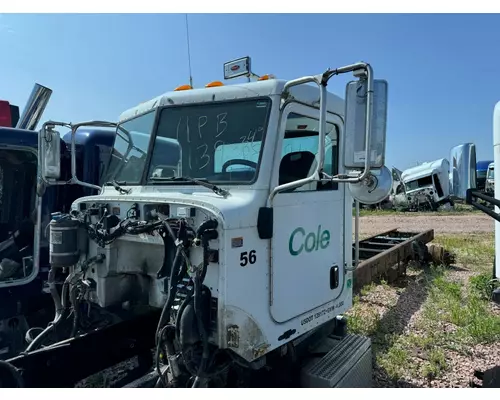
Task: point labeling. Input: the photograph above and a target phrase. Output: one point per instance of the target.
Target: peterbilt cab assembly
(230, 211)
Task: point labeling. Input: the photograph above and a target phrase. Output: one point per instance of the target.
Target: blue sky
(442, 69)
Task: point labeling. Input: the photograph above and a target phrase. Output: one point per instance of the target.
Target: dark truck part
(472, 197)
(31, 302)
(67, 362)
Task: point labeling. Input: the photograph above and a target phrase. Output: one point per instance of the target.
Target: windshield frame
(112, 175)
(147, 181)
(420, 187)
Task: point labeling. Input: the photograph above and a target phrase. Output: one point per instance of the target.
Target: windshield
(419, 183)
(491, 173)
(128, 158)
(220, 142)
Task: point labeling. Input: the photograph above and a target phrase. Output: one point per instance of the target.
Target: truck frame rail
(388, 253)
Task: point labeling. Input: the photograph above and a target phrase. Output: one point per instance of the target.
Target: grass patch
(395, 361)
(483, 285)
(464, 309)
(455, 315)
(436, 364)
(458, 209)
(362, 321)
(474, 251)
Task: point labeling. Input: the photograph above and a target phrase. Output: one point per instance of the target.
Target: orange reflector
(266, 77)
(182, 87)
(214, 84)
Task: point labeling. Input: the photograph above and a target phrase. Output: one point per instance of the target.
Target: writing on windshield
(220, 142)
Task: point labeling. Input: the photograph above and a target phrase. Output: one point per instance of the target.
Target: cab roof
(19, 137)
(308, 94)
(425, 169)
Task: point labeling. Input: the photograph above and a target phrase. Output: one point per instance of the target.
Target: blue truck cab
(26, 305)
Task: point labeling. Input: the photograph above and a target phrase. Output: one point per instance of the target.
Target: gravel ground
(466, 223)
(399, 311)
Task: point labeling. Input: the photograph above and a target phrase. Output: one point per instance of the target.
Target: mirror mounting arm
(358, 69)
(49, 127)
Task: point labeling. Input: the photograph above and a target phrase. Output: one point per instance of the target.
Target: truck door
(307, 268)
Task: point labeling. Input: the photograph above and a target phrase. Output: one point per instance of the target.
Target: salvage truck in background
(224, 241)
(25, 207)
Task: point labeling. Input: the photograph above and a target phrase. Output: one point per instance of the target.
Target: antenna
(189, 53)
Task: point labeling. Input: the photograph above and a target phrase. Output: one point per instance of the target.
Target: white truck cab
(426, 183)
(235, 196)
(490, 180)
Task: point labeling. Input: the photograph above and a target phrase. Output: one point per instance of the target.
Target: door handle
(334, 277)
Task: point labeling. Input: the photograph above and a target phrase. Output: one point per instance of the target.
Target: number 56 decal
(248, 257)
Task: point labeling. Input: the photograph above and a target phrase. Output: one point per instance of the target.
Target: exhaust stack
(35, 107)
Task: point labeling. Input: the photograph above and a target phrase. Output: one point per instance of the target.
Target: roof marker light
(214, 84)
(266, 77)
(182, 87)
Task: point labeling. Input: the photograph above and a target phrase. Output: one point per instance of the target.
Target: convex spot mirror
(355, 124)
(49, 145)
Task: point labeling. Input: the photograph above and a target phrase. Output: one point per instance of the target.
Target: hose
(30, 335)
(172, 290)
(57, 319)
(76, 310)
(201, 330)
(54, 293)
(59, 306)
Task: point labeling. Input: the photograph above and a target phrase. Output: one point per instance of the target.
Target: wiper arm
(217, 190)
(118, 188)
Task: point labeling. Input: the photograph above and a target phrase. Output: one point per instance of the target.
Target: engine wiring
(182, 339)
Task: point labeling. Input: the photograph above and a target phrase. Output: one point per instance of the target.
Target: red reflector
(235, 68)
(301, 126)
(5, 117)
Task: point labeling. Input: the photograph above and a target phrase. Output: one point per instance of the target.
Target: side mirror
(49, 153)
(355, 124)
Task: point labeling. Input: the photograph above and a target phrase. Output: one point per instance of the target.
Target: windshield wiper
(217, 190)
(117, 186)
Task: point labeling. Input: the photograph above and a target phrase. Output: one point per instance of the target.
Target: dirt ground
(442, 224)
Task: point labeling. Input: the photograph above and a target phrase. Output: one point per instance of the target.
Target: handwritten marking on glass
(221, 124)
(205, 155)
(202, 124)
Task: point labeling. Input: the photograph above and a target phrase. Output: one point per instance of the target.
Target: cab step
(342, 363)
